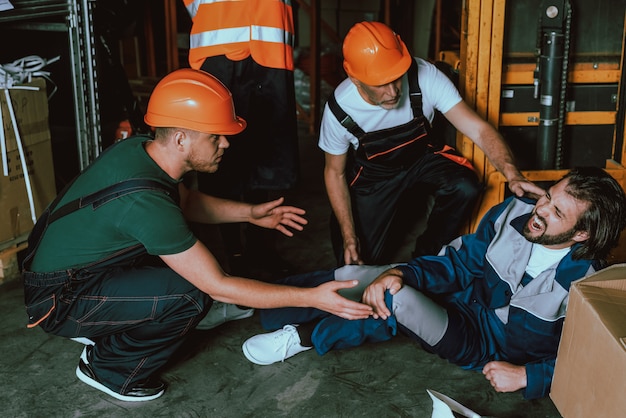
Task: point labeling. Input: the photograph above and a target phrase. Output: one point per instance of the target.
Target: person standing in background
(248, 45)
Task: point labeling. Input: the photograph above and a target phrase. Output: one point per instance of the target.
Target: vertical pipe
(551, 61)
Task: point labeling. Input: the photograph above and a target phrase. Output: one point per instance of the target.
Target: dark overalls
(135, 312)
(393, 170)
(262, 158)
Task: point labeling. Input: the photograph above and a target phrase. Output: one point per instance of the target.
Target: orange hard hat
(374, 54)
(193, 99)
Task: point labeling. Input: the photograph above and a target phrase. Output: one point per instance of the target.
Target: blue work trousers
(331, 332)
(461, 344)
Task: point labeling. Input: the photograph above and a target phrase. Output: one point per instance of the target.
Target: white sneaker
(275, 346)
(83, 340)
(221, 313)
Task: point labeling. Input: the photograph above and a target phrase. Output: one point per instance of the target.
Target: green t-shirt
(148, 217)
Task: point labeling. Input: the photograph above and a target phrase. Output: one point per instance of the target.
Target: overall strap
(99, 198)
(415, 93)
(96, 200)
(344, 118)
(60, 195)
(41, 225)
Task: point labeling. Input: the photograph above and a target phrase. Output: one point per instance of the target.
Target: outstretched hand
(328, 299)
(272, 215)
(374, 294)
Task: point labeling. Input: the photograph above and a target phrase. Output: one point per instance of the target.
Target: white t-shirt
(438, 93)
(542, 258)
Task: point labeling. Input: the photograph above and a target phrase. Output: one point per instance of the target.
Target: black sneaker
(144, 391)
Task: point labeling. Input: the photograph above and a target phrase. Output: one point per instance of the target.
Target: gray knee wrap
(364, 274)
(421, 315)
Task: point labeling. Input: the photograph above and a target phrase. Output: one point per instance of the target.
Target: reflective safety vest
(261, 28)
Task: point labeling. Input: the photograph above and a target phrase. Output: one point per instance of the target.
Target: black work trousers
(137, 315)
(376, 202)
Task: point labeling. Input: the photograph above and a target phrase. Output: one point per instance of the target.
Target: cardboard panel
(590, 374)
(31, 113)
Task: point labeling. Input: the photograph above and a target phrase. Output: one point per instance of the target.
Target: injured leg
(420, 315)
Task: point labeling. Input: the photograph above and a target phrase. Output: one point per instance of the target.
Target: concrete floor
(210, 377)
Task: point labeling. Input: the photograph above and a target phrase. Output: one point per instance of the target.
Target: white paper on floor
(443, 406)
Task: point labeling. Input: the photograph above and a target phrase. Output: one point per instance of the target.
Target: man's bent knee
(420, 315)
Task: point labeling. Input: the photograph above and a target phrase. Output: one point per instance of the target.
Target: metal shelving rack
(78, 14)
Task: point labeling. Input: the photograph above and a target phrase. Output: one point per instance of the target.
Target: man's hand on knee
(374, 294)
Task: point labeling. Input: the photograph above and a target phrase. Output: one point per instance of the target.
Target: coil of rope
(24, 69)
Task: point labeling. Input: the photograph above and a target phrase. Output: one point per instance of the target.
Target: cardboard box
(31, 113)
(9, 266)
(590, 375)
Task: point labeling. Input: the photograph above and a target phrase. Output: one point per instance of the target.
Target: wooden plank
(519, 119)
(468, 67)
(583, 73)
(621, 153)
(469, 51)
(171, 35)
(315, 111)
(484, 59)
(495, 72)
(571, 118)
(495, 66)
(474, 80)
(581, 77)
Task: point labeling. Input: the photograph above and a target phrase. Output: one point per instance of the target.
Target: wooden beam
(171, 35)
(571, 118)
(315, 76)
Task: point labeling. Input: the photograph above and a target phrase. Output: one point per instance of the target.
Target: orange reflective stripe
(238, 29)
(404, 144)
(43, 318)
(358, 174)
(456, 158)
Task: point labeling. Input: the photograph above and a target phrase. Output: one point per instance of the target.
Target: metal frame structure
(483, 74)
(32, 15)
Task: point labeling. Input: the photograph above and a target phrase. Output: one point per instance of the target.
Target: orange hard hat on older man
(374, 54)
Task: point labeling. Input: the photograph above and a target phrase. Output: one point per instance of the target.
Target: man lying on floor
(493, 300)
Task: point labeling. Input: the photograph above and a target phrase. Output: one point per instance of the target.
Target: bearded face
(554, 219)
(535, 231)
